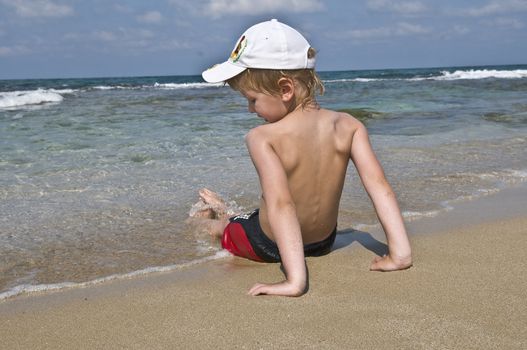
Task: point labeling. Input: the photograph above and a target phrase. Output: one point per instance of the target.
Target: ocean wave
(471, 74)
(175, 86)
(329, 81)
(359, 80)
(115, 87)
(17, 99)
(161, 86)
(30, 289)
(483, 74)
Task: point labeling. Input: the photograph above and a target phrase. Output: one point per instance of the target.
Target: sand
(467, 290)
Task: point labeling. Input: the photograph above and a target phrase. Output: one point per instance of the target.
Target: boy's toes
(205, 194)
(210, 197)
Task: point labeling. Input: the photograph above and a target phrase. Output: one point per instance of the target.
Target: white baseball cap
(266, 45)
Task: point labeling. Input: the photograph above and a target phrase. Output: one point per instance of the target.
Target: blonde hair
(306, 81)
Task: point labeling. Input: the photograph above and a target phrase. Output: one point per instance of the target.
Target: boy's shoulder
(346, 119)
(323, 115)
(343, 124)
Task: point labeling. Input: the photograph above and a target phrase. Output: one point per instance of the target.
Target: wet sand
(467, 290)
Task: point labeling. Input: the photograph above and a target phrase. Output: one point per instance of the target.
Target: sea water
(97, 176)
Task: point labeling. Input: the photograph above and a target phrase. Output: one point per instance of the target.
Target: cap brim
(222, 72)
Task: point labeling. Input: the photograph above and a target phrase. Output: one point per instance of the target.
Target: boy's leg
(214, 227)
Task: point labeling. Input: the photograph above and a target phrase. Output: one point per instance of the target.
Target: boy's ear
(287, 88)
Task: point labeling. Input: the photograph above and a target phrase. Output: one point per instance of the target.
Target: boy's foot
(215, 202)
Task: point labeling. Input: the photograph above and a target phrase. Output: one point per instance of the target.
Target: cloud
(460, 29)
(122, 8)
(188, 6)
(104, 35)
(130, 40)
(497, 7)
(38, 8)
(503, 22)
(150, 17)
(401, 7)
(123, 36)
(219, 8)
(124, 40)
(401, 29)
(13, 50)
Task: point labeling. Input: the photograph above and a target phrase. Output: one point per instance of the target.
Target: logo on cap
(237, 52)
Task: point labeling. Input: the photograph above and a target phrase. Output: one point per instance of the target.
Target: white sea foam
(103, 87)
(414, 215)
(30, 289)
(521, 175)
(174, 86)
(162, 86)
(340, 80)
(366, 227)
(16, 99)
(472, 74)
(483, 74)
(501, 180)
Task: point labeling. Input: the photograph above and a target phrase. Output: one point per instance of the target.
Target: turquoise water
(97, 175)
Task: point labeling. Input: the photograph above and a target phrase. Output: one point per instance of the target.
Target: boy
(301, 155)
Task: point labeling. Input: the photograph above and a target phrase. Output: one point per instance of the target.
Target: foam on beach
(39, 288)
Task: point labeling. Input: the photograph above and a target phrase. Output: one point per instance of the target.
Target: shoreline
(459, 213)
(465, 290)
(69, 215)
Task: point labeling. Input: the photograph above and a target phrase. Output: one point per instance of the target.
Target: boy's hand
(284, 288)
(388, 263)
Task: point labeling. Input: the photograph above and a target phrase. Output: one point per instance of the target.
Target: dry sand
(467, 290)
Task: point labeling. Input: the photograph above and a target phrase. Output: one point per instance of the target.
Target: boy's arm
(383, 198)
(282, 217)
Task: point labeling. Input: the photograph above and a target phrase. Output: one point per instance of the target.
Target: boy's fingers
(378, 258)
(387, 264)
(257, 289)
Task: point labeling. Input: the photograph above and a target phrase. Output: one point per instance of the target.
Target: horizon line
(321, 71)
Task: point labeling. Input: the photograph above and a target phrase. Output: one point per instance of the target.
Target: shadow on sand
(347, 237)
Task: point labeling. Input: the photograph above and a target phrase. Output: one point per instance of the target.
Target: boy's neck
(306, 106)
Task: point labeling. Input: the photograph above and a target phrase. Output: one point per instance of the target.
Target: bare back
(314, 148)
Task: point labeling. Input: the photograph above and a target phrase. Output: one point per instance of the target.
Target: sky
(109, 38)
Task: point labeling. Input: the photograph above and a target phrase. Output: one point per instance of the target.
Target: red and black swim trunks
(244, 237)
